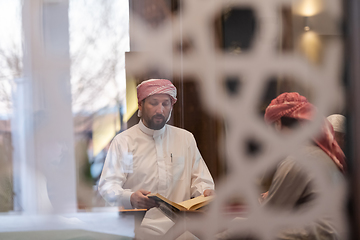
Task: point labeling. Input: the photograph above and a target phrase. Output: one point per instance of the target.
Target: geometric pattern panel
(211, 66)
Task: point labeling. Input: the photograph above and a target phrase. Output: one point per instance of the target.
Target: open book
(170, 209)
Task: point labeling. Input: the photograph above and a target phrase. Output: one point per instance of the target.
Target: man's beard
(156, 126)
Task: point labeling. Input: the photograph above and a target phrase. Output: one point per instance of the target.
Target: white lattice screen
(254, 68)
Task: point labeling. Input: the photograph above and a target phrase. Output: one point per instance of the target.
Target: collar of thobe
(151, 132)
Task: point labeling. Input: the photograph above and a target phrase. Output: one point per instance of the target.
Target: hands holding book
(139, 200)
(209, 192)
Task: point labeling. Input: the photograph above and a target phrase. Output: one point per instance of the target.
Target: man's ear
(140, 105)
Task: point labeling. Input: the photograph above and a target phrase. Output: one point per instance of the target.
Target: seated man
(154, 157)
(292, 187)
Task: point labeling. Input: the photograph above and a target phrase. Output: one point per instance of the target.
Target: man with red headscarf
(154, 157)
(292, 188)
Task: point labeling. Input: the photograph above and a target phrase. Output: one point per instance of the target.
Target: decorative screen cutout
(232, 88)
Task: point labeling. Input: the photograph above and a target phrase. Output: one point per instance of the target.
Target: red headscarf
(294, 105)
(156, 86)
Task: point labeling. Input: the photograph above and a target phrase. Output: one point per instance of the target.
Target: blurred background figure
(338, 122)
(293, 188)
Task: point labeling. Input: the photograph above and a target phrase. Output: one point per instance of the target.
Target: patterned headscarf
(155, 86)
(294, 105)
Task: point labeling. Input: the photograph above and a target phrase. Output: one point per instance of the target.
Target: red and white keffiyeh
(294, 105)
(156, 86)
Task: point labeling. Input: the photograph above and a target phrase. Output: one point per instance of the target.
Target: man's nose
(160, 109)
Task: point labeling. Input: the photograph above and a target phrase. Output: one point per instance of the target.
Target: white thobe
(165, 161)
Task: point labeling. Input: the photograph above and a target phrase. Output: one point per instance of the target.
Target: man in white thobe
(154, 157)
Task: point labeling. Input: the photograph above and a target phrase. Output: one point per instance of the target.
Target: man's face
(155, 110)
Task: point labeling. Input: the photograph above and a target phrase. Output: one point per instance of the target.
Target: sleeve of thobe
(288, 184)
(200, 176)
(113, 175)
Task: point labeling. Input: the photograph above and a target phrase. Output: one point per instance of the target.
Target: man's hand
(209, 192)
(139, 200)
(263, 197)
